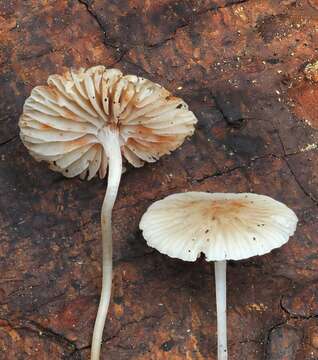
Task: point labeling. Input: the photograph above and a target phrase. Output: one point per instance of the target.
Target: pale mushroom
(85, 120)
(222, 226)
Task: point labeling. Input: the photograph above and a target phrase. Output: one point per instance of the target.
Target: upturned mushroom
(82, 123)
(222, 226)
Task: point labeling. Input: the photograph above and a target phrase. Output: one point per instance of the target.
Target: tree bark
(240, 65)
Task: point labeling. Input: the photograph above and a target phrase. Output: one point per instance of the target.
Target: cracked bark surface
(239, 65)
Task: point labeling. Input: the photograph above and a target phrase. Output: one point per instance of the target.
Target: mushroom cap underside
(61, 121)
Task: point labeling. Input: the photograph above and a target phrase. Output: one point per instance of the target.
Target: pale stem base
(220, 289)
(110, 141)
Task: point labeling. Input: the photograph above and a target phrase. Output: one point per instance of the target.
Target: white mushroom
(82, 123)
(223, 226)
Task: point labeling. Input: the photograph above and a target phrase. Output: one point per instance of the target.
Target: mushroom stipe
(82, 123)
(239, 226)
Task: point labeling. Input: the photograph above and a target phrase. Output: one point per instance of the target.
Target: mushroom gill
(62, 122)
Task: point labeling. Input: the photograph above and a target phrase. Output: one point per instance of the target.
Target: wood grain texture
(240, 66)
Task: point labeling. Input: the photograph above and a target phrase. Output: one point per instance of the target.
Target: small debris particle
(257, 307)
(311, 71)
(168, 345)
(309, 147)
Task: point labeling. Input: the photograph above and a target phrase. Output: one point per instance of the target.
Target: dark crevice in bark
(138, 66)
(237, 123)
(117, 333)
(217, 174)
(268, 336)
(119, 59)
(285, 158)
(63, 340)
(123, 50)
(289, 316)
(34, 327)
(12, 139)
(296, 316)
(230, 170)
(192, 19)
(299, 183)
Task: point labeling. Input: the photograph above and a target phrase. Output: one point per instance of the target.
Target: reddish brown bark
(240, 66)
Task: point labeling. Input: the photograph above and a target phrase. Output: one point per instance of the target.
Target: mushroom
(82, 123)
(223, 226)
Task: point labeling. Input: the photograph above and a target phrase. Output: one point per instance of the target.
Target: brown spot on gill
(125, 96)
(53, 91)
(156, 149)
(46, 127)
(69, 115)
(150, 135)
(68, 145)
(170, 97)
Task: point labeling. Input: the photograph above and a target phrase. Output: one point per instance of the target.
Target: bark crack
(290, 316)
(34, 327)
(12, 139)
(268, 336)
(123, 50)
(285, 158)
(118, 49)
(296, 316)
(230, 170)
(122, 328)
(299, 183)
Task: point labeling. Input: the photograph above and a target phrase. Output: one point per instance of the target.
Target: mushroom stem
(110, 140)
(220, 289)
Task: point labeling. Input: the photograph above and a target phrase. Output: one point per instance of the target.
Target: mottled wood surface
(241, 67)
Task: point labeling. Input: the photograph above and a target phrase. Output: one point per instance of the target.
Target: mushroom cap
(223, 226)
(61, 122)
